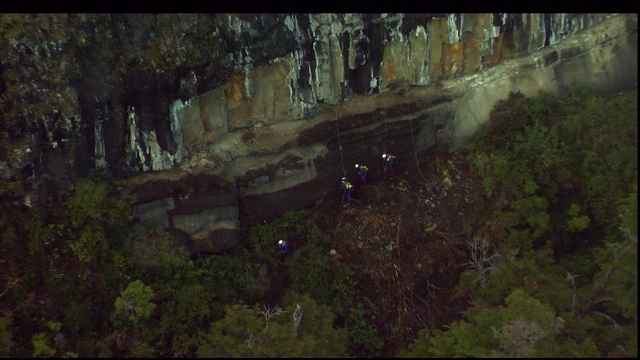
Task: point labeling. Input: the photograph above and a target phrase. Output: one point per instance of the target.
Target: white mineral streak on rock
(536, 31)
(395, 63)
(303, 99)
(136, 142)
(392, 23)
(291, 21)
(454, 34)
(237, 27)
(557, 21)
(355, 26)
(248, 80)
(419, 57)
(131, 149)
(99, 152)
(150, 140)
(329, 70)
(175, 113)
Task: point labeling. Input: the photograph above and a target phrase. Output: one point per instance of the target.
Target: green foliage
(5, 336)
(134, 303)
(98, 217)
(54, 326)
(233, 277)
(629, 211)
(562, 173)
(565, 155)
(620, 259)
(268, 332)
(140, 349)
(147, 244)
(419, 347)
(577, 222)
(191, 293)
(542, 106)
(363, 336)
(603, 134)
(260, 237)
(524, 327)
(64, 256)
(40, 346)
(534, 211)
(564, 179)
(290, 223)
(313, 272)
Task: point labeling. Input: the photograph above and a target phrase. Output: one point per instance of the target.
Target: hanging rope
(380, 92)
(413, 140)
(377, 157)
(385, 128)
(344, 172)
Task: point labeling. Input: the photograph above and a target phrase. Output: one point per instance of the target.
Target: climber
(346, 187)
(390, 165)
(283, 250)
(362, 171)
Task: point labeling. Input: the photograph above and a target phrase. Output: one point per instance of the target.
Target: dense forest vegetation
(553, 274)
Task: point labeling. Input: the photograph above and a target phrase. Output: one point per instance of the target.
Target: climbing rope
(413, 140)
(379, 73)
(344, 172)
(385, 128)
(377, 158)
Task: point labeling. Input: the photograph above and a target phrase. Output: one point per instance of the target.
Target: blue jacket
(345, 186)
(391, 161)
(362, 170)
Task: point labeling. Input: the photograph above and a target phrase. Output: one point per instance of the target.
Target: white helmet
(357, 166)
(384, 156)
(344, 179)
(280, 242)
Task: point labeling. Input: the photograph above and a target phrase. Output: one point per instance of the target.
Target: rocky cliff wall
(237, 118)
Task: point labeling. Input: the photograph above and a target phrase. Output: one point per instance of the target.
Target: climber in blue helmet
(363, 172)
(390, 165)
(345, 188)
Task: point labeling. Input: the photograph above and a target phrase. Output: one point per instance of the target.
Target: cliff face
(238, 118)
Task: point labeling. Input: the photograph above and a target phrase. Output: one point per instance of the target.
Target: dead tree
(590, 303)
(483, 258)
(297, 316)
(268, 313)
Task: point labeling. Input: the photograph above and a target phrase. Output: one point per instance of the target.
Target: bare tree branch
(605, 316)
(250, 334)
(297, 316)
(483, 258)
(9, 285)
(607, 277)
(268, 313)
(571, 278)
